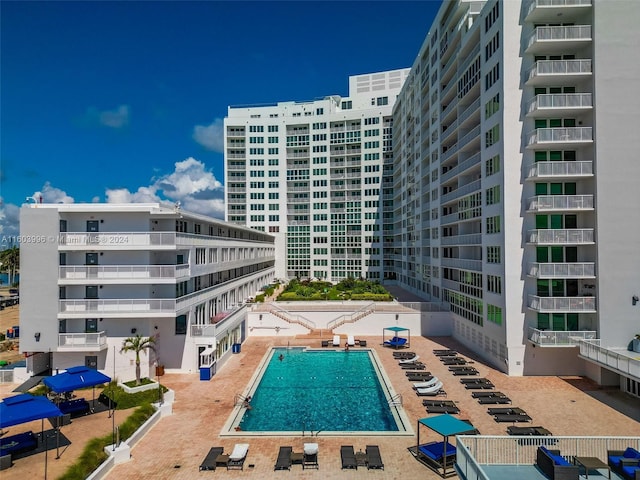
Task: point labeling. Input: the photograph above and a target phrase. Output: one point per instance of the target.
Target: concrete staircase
(316, 334)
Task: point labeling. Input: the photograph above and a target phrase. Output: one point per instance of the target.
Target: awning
(25, 408)
(446, 425)
(75, 378)
(207, 351)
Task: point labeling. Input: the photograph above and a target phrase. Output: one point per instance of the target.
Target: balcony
(569, 236)
(560, 170)
(559, 104)
(562, 304)
(562, 270)
(559, 137)
(558, 72)
(560, 203)
(559, 338)
(470, 239)
(492, 457)
(548, 11)
(117, 308)
(462, 263)
(617, 359)
(86, 274)
(117, 240)
(82, 342)
(559, 39)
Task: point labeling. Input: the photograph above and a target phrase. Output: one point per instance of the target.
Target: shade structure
(25, 408)
(445, 425)
(401, 337)
(75, 378)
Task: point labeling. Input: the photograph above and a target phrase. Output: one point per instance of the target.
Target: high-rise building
(515, 189)
(93, 275)
(315, 174)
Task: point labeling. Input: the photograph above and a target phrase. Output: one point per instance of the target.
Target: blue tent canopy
(75, 378)
(446, 425)
(401, 336)
(25, 408)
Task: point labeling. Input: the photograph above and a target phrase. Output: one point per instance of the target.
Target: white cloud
(9, 223)
(117, 118)
(191, 184)
(51, 194)
(210, 136)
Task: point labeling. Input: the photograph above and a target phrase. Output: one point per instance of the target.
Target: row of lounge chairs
(370, 458)
(217, 458)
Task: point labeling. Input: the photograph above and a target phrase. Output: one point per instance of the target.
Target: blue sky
(124, 101)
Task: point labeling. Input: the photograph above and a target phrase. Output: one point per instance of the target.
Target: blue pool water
(318, 391)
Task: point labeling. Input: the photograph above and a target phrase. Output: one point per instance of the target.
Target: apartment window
(181, 325)
(493, 254)
(492, 195)
(347, 105)
(91, 291)
(494, 284)
(319, 111)
(319, 125)
(380, 101)
(93, 226)
(273, 195)
(273, 151)
(493, 224)
(492, 165)
(256, 128)
(274, 185)
(273, 128)
(256, 139)
(273, 173)
(492, 106)
(273, 139)
(492, 46)
(492, 136)
(494, 314)
(492, 77)
(492, 16)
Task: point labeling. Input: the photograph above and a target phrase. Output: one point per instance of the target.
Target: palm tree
(10, 262)
(138, 344)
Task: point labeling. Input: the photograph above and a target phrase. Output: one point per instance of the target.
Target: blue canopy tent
(75, 378)
(24, 408)
(440, 456)
(401, 337)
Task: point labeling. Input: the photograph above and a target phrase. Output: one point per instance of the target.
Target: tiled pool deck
(176, 446)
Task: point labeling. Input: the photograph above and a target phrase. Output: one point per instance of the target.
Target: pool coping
(404, 424)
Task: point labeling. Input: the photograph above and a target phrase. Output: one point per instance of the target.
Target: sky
(114, 101)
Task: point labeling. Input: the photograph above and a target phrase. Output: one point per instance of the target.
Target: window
(492, 106)
(382, 101)
(319, 111)
(492, 195)
(493, 254)
(347, 105)
(92, 226)
(91, 291)
(273, 128)
(492, 136)
(494, 314)
(493, 224)
(492, 16)
(492, 166)
(181, 325)
(494, 284)
(492, 77)
(492, 46)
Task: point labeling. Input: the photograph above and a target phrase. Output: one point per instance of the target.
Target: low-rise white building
(94, 274)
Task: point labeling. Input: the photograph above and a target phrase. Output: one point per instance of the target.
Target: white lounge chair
(428, 384)
(238, 456)
(336, 340)
(410, 360)
(432, 389)
(351, 340)
(310, 456)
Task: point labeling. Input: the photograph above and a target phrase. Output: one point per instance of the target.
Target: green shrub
(259, 298)
(125, 400)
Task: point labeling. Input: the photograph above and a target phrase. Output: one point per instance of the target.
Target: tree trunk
(137, 373)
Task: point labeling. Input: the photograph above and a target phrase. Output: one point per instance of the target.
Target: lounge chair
(496, 399)
(621, 458)
(444, 352)
(427, 384)
(451, 410)
(401, 355)
(419, 378)
(238, 456)
(395, 342)
(435, 452)
(418, 374)
(413, 359)
(210, 461)
(374, 460)
(310, 456)
(512, 417)
(284, 459)
(351, 340)
(348, 457)
(434, 388)
(336, 341)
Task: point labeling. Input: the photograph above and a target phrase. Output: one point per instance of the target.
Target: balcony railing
(559, 101)
(117, 239)
(470, 239)
(104, 307)
(559, 338)
(562, 270)
(474, 452)
(122, 272)
(626, 364)
(560, 169)
(570, 236)
(560, 135)
(464, 264)
(560, 67)
(555, 6)
(548, 34)
(562, 304)
(541, 203)
(232, 318)
(82, 341)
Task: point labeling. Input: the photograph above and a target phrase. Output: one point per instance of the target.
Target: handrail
(352, 317)
(290, 318)
(396, 400)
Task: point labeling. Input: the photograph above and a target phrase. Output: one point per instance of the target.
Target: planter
(142, 388)
(635, 345)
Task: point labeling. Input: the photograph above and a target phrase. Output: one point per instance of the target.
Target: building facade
(95, 274)
(314, 174)
(515, 197)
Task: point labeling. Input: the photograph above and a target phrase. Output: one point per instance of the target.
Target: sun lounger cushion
(239, 451)
(436, 450)
(557, 459)
(351, 341)
(616, 457)
(22, 442)
(631, 472)
(336, 340)
(310, 448)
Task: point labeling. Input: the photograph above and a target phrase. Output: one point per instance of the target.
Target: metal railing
(122, 306)
(469, 239)
(287, 316)
(570, 236)
(560, 100)
(560, 67)
(533, 4)
(562, 270)
(625, 364)
(561, 135)
(560, 202)
(475, 451)
(560, 337)
(79, 340)
(352, 317)
(560, 169)
(105, 272)
(555, 33)
(562, 304)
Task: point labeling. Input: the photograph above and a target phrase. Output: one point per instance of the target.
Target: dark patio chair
(374, 460)
(348, 457)
(284, 459)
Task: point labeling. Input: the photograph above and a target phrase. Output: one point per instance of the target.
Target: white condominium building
(312, 173)
(515, 186)
(95, 274)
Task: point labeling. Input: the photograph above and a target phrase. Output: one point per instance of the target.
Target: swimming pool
(299, 390)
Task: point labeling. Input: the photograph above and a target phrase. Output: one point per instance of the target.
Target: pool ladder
(395, 401)
(239, 399)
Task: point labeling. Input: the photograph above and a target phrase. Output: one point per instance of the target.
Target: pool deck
(176, 446)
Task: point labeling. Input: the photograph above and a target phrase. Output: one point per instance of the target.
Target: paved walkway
(176, 446)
